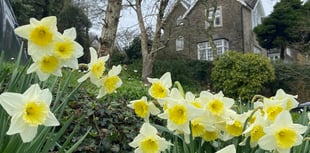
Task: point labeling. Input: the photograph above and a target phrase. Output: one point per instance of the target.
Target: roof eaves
(189, 9)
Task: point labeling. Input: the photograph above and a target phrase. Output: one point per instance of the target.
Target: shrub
(293, 78)
(192, 73)
(241, 75)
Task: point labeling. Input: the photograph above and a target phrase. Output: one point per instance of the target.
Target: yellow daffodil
(228, 149)
(282, 134)
(45, 66)
(28, 111)
(143, 108)
(160, 87)
(96, 67)
(289, 100)
(148, 141)
(67, 49)
(41, 35)
(109, 83)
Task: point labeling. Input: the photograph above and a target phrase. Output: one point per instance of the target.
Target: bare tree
(109, 28)
(210, 16)
(148, 55)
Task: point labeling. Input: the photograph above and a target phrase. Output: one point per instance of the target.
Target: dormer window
(217, 22)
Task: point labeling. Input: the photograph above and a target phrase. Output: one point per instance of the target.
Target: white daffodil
(272, 108)
(41, 35)
(256, 129)
(67, 49)
(148, 141)
(289, 100)
(45, 66)
(228, 149)
(282, 135)
(96, 67)
(109, 83)
(160, 87)
(143, 108)
(179, 113)
(28, 111)
(217, 104)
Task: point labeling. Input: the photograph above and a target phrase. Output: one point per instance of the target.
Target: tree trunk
(109, 28)
(148, 56)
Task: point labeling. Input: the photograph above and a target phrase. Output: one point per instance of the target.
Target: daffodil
(46, 65)
(228, 149)
(160, 87)
(148, 141)
(256, 129)
(28, 111)
(109, 83)
(289, 100)
(143, 108)
(282, 134)
(41, 35)
(96, 67)
(217, 104)
(272, 108)
(67, 49)
(179, 113)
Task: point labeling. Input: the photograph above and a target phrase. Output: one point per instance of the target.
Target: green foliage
(192, 74)
(279, 28)
(47, 138)
(133, 51)
(241, 75)
(293, 78)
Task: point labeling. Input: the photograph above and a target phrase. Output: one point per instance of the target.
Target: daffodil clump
(212, 119)
(50, 51)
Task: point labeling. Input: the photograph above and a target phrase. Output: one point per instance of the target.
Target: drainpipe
(242, 29)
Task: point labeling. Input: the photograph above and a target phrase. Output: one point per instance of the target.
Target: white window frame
(179, 21)
(179, 43)
(204, 50)
(218, 16)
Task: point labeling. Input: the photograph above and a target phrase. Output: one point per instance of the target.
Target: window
(179, 21)
(217, 22)
(205, 50)
(179, 44)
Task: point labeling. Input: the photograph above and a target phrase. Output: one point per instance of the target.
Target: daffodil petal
(17, 124)
(84, 77)
(70, 33)
(11, 102)
(23, 31)
(93, 54)
(51, 120)
(115, 70)
(29, 133)
(228, 149)
(148, 129)
(267, 142)
(166, 79)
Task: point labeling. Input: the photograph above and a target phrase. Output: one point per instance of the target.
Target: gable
(247, 3)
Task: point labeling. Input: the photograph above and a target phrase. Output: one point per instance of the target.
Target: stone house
(185, 28)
